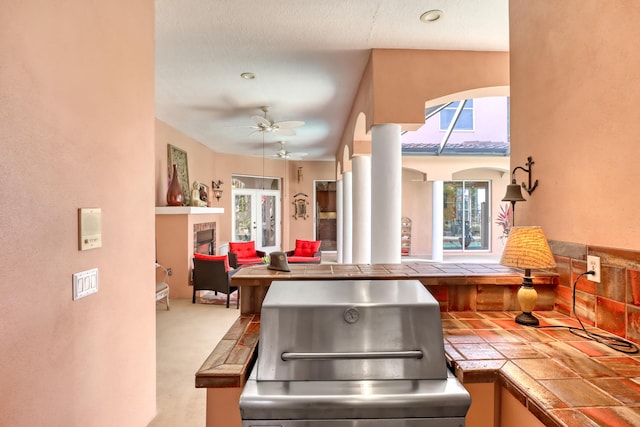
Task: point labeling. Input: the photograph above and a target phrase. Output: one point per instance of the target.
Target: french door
(257, 217)
(466, 215)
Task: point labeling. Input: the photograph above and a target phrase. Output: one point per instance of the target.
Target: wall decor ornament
(300, 203)
(178, 157)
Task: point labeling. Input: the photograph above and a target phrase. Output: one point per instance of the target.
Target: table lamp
(527, 248)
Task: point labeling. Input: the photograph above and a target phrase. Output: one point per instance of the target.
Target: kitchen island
(465, 288)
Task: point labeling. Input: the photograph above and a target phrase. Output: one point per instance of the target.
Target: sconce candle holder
(217, 191)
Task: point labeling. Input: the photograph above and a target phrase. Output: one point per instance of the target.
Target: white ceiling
(308, 57)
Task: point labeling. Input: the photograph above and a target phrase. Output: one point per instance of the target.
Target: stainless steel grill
(360, 353)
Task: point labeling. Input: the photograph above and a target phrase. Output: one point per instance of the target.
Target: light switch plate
(85, 283)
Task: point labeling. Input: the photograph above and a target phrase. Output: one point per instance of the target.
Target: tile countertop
(563, 379)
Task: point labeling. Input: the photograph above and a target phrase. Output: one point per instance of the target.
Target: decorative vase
(174, 193)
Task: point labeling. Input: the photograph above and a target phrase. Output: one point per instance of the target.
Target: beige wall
(76, 101)
(574, 84)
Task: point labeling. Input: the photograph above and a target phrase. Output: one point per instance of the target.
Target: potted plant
(504, 221)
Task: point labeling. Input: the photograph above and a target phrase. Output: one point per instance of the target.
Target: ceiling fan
(282, 153)
(264, 125)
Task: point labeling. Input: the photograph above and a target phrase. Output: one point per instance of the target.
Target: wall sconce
(217, 192)
(514, 192)
(300, 174)
(527, 248)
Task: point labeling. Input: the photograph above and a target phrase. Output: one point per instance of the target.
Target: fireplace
(204, 238)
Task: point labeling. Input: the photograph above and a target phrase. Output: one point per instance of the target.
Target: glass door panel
(244, 228)
(270, 229)
(466, 219)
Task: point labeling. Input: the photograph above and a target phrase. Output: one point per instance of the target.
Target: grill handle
(407, 354)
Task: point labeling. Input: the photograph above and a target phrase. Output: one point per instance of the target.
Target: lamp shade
(527, 248)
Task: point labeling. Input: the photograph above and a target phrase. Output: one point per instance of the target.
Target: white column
(347, 218)
(437, 223)
(386, 194)
(361, 166)
(339, 214)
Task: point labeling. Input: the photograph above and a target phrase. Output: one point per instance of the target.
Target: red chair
(306, 252)
(244, 253)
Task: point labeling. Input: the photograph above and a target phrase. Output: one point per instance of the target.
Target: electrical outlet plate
(593, 263)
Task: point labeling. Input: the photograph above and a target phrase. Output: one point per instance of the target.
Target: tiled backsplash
(613, 304)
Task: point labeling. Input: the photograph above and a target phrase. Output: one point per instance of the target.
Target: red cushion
(214, 258)
(306, 247)
(303, 259)
(243, 249)
(250, 260)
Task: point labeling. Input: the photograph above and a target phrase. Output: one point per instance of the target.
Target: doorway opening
(326, 215)
(257, 217)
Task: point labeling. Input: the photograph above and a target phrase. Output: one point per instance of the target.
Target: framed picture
(300, 203)
(204, 192)
(178, 157)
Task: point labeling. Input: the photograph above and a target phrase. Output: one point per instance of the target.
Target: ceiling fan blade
(285, 131)
(261, 121)
(288, 124)
(256, 132)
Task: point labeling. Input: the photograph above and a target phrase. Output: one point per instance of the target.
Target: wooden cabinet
(405, 243)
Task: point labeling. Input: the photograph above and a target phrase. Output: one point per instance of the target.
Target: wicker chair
(213, 275)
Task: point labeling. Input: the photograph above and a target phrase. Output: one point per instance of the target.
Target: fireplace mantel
(187, 210)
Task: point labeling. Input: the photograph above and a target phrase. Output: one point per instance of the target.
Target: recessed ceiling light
(248, 76)
(431, 15)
